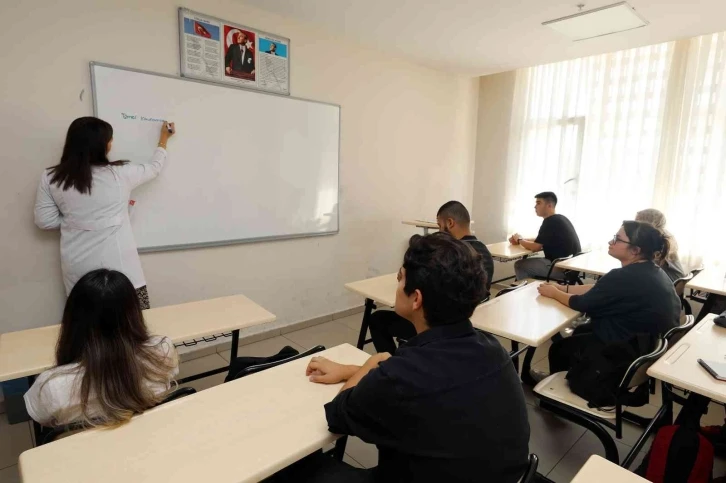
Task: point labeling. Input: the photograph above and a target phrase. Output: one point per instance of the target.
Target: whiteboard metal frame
(222, 21)
(237, 241)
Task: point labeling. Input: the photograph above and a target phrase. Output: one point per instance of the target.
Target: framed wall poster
(215, 50)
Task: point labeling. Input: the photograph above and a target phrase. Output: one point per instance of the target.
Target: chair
(673, 336)
(261, 367)
(555, 396)
(68, 429)
(571, 277)
(529, 475)
(680, 286)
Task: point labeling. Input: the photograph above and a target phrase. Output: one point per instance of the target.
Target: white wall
(408, 137)
(496, 93)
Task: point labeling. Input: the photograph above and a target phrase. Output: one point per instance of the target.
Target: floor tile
(263, 348)
(10, 475)
(14, 439)
(550, 437)
(352, 321)
(330, 334)
(585, 447)
(365, 454)
(203, 364)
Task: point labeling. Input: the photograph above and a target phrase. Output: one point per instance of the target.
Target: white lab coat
(95, 229)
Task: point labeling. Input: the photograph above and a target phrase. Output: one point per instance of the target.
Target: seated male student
(448, 406)
(452, 218)
(557, 238)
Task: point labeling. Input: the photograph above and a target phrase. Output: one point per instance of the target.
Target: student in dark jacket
(448, 406)
(452, 218)
(638, 298)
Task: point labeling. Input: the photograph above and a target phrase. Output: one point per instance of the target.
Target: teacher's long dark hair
(103, 331)
(86, 146)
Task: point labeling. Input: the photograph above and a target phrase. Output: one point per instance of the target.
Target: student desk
(381, 290)
(596, 263)
(241, 431)
(679, 365)
(599, 470)
(522, 315)
(30, 352)
(506, 252)
(426, 225)
(709, 280)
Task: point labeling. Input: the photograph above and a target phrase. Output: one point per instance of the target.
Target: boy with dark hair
(448, 406)
(557, 238)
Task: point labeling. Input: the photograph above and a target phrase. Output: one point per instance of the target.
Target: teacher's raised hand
(168, 129)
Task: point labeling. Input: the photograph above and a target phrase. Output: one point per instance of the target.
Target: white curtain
(616, 133)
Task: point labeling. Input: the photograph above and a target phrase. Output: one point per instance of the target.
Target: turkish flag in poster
(200, 30)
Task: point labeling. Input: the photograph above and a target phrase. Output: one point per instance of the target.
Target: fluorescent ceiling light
(598, 22)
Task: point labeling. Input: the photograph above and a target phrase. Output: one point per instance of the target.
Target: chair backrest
(680, 283)
(66, 430)
(636, 375)
(529, 475)
(261, 367)
(555, 262)
(510, 289)
(675, 334)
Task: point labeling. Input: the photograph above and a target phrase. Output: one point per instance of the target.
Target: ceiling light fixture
(611, 19)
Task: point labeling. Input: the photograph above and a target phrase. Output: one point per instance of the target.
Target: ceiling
(479, 37)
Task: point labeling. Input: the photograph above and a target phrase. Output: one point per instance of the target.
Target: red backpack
(679, 454)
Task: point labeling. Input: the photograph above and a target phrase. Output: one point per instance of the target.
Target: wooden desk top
(381, 290)
(523, 316)
(421, 224)
(241, 431)
(505, 251)
(599, 470)
(595, 262)
(710, 280)
(30, 352)
(679, 365)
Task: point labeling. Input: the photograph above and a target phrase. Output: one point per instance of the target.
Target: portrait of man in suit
(239, 59)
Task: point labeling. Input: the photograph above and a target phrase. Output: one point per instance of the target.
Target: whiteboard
(244, 166)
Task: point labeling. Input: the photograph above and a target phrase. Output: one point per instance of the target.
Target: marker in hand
(168, 127)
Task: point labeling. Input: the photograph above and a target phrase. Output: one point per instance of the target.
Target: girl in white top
(87, 197)
(108, 366)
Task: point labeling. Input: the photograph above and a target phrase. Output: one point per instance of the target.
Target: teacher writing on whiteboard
(87, 197)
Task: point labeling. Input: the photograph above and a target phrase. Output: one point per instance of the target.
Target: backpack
(679, 454)
(596, 373)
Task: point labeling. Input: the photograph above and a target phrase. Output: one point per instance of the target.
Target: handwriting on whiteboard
(136, 117)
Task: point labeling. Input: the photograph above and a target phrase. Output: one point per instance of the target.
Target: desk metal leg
(235, 343)
(339, 450)
(426, 230)
(369, 306)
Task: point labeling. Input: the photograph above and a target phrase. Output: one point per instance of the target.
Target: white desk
(30, 352)
(599, 470)
(595, 263)
(679, 365)
(523, 316)
(426, 225)
(241, 431)
(381, 289)
(710, 280)
(506, 252)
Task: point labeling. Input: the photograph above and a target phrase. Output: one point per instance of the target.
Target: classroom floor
(562, 447)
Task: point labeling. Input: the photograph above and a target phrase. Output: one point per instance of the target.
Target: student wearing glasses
(638, 298)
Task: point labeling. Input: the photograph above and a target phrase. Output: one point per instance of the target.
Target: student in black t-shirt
(452, 218)
(557, 238)
(638, 298)
(448, 406)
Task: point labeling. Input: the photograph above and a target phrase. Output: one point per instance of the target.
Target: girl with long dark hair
(108, 366)
(87, 197)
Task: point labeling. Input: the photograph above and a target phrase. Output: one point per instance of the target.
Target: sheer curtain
(617, 133)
